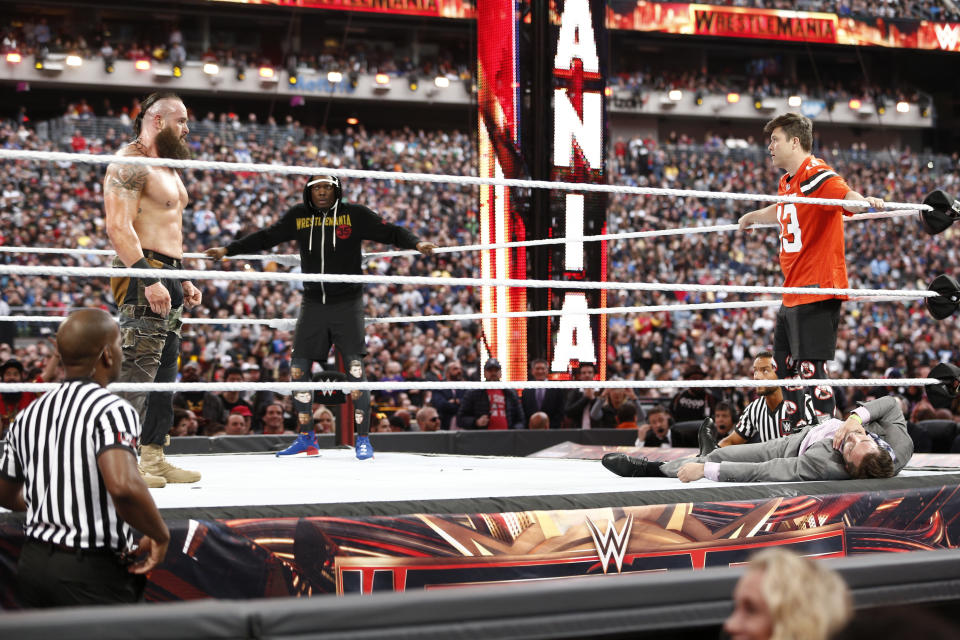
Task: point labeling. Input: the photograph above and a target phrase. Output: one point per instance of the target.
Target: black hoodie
(329, 242)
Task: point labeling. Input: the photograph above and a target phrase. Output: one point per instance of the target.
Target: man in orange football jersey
(811, 255)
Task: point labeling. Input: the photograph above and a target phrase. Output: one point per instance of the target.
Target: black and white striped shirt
(760, 424)
(811, 184)
(52, 447)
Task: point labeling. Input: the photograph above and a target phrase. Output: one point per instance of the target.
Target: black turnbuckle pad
(329, 397)
(941, 394)
(945, 211)
(946, 302)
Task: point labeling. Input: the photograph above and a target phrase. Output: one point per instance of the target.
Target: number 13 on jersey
(790, 240)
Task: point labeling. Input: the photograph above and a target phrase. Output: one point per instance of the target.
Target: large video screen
(579, 127)
(541, 115)
(501, 208)
(776, 24)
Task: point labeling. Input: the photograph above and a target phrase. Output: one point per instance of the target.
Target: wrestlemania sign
(775, 24)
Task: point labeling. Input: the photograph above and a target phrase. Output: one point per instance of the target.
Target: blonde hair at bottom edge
(807, 600)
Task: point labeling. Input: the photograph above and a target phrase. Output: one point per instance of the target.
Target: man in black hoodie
(328, 233)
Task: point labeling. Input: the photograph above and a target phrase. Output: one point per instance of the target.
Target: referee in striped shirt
(70, 463)
(769, 416)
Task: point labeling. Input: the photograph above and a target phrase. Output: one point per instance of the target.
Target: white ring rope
(629, 235)
(393, 385)
(241, 321)
(191, 274)
(250, 167)
(290, 259)
(293, 259)
(287, 324)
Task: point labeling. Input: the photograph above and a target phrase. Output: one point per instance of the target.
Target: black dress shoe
(707, 437)
(629, 467)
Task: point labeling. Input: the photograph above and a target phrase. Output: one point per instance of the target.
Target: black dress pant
(51, 576)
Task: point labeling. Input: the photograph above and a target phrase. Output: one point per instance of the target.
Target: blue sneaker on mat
(364, 448)
(304, 445)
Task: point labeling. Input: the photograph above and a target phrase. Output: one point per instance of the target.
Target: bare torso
(159, 219)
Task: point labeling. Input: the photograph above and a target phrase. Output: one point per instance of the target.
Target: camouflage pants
(151, 348)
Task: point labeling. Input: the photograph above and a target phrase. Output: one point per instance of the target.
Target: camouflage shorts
(143, 339)
(143, 333)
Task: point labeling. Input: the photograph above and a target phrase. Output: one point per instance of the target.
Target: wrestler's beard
(170, 146)
(11, 398)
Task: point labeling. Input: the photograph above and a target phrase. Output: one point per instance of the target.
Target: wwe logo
(611, 543)
(947, 35)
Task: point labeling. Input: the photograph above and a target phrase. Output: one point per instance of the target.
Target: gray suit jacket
(779, 460)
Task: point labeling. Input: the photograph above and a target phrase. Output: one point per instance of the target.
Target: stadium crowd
(59, 205)
(759, 78)
(29, 36)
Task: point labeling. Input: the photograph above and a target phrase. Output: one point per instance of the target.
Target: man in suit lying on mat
(872, 443)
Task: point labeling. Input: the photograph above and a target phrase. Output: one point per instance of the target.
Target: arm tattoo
(127, 181)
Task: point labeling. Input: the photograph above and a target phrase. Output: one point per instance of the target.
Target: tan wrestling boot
(153, 482)
(153, 462)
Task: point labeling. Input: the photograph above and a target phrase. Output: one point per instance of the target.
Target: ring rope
(290, 258)
(286, 324)
(293, 259)
(289, 323)
(629, 235)
(250, 167)
(213, 321)
(190, 274)
(14, 387)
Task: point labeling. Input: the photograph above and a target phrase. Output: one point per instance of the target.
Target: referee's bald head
(83, 336)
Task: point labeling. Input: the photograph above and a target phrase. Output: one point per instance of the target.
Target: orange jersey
(811, 236)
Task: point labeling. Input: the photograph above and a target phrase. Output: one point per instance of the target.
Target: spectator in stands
(184, 423)
(323, 420)
(237, 422)
(724, 418)
(603, 413)
(490, 409)
(695, 403)
(177, 55)
(404, 417)
(381, 423)
(470, 361)
(273, 419)
(206, 405)
(447, 401)
(231, 399)
(253, 373)
(579, 402)
(397, 424)
(12, 403)
(538, 420)
(765, 601)
(247, 415)
(548, 401)
(627, 416)
(656, 432)
(428, 419)
(922, 440)
(411, 373)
